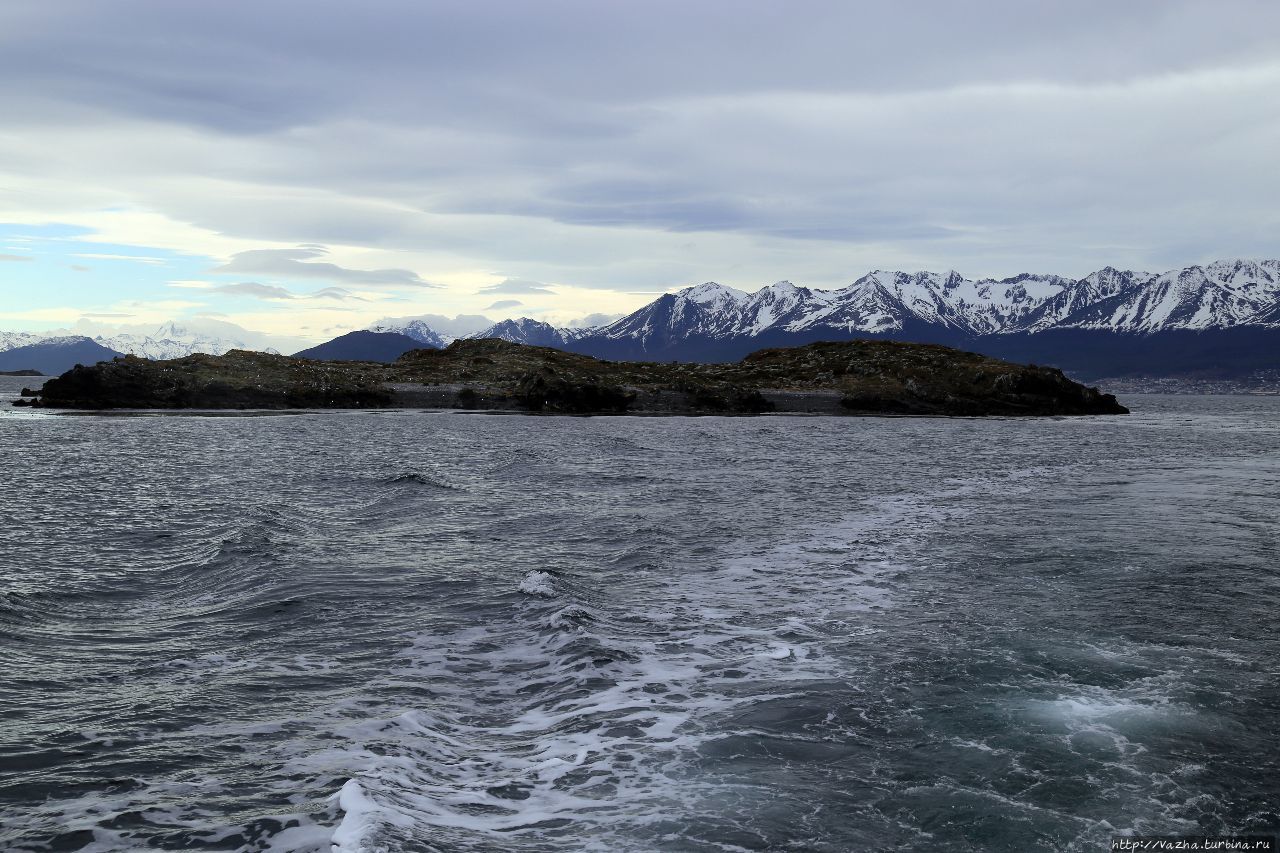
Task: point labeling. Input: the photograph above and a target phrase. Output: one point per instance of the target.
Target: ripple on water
(637, 634)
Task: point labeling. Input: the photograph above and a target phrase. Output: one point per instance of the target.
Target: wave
(587, 718)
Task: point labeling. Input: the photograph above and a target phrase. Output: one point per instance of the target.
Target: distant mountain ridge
(416, 329)
(170, 340)
(52, 356)
(1220, 295)
(173, 340)
(385, 347)
(1218, 319)
(1223, 316)
(521, 330)
(532, 332)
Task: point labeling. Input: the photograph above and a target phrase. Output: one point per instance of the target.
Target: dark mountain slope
(55, 356)
(363, 346)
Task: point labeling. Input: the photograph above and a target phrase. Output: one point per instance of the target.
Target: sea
(439, 631)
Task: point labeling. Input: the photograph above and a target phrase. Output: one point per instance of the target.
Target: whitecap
(538, 583)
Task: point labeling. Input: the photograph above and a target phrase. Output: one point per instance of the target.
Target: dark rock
(728, 400)
(238, 380)
(539, 392)
(865, 377)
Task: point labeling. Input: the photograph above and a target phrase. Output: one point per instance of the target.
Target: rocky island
(845, 378)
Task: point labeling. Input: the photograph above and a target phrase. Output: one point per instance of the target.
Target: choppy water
(439, 632)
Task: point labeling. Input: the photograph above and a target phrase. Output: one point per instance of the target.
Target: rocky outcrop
(853, 377)
(546, 392)
(237, 380)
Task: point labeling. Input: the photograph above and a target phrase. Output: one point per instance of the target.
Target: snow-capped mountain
(434, 329)
(1133, 317)
(708, 310)
(878, 303)
(1223, 316)
(170, 340)
(1080, 295)
(173, 341)
(950, 300)
(1221, 295)
(13, 340)
(412, 328)
(54, 355)
(532, 332)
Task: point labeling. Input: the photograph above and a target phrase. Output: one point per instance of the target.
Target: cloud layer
(593, 152)
(300, 263)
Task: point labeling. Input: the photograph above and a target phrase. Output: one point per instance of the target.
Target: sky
(302, 169)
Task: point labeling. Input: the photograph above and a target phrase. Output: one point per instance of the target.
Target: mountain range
(52, 356)
(1223, 295)
(174, 340)
(1217, 320)
(169, 340)
(59, 350)
(385, 347)
(1220, 319)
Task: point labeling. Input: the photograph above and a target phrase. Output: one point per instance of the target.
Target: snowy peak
(1219, 295)
(1078, 296)
(782, 294)
(668, 319)
(411, 328)
(714, 298)
(171, 331)
(1242, 272)
(779, 290)
(893, 298)
(170, 340)
(532, 332)
(13, 340)
(712, 294)
(779, 306)
(1223, 294)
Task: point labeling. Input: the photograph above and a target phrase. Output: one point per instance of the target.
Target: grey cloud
(299, 263)
(254, 289)
(15, 258)
(516, 285)
(335, 293)
(592, 321)
(251, 69)
(811, 217)
(258, 290)
(80, 268)
(561, 140)
(504, 303)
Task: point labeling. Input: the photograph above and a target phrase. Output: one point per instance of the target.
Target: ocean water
(407, 631)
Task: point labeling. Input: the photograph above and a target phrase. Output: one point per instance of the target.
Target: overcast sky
(302, 169)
